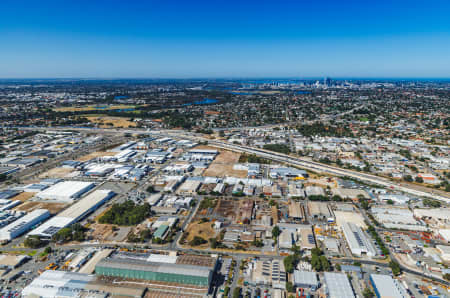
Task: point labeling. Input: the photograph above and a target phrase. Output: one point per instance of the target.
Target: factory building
(320, 211)
(66, 191)
(185, 269)
(338, 285)
(74, 213)
(357, 240)
(53, 283)
(306, 280)
(387, 287)
(189, 187)
(23, 224)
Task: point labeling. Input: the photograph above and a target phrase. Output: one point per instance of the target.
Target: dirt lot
(96, 154)
(56, 173)
(100, 231)
(223, 165)
(23, 196)
(108, 121)
(53, 208)
(203, 230)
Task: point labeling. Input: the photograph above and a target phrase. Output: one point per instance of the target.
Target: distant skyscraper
(327, 81)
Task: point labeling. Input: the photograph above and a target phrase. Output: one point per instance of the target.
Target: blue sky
(186, 39)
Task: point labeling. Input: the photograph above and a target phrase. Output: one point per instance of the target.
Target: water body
(121, 97)
(204, 101)
(303, 92)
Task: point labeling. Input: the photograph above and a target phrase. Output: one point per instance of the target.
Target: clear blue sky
(185, 39)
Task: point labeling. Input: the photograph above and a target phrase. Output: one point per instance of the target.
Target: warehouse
(66, 191)
(187, 269)
(296, 211)
(357, 240)
(387, 287)
(338, 285)
(71, 284)
(73, 214)
(321, 211)
(99, 170)
(23, 224)
(189, 187)
(267, 273)
(87, 205)
(306, 280)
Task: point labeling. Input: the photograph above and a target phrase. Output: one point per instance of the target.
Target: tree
(276, 232)
(447, 276)
(33, 242)
(419, 179)
(395, 267)
(408, 178)
(237, 292)
(197, 240)
(367, 293)
(289, 287)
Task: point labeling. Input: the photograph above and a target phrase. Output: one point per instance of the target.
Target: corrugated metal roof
(131, 264)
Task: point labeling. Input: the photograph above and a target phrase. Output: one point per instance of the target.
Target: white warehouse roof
(338, 285)
(66, 191)
(86, 204)
(386, 286)
(23, 224)
(57, 284)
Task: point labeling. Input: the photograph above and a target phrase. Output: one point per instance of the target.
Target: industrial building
(66, 191)
(23, 224)
(387, 287)
(296, 211)
(184, 269)
(320, 211)
(73, 214)
(357, 240)
(306, 280)
(72, 284)
(189, 187)
(267, 273)
(338, 285)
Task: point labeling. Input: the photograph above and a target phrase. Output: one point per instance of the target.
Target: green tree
(33, 242)
(237, 292)
(367, 293)
(290, 287)
(276, 232)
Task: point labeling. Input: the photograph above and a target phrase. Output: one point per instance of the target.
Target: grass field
(203, 230)
(109, 122)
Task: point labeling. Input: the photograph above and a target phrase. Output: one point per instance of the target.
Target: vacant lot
(223, 166)
(29, 206)
(56, 173)
(95, 155)
(203, 230)
(23, 196)
(108, 121)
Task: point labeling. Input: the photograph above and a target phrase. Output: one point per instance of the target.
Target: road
(301, 162)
